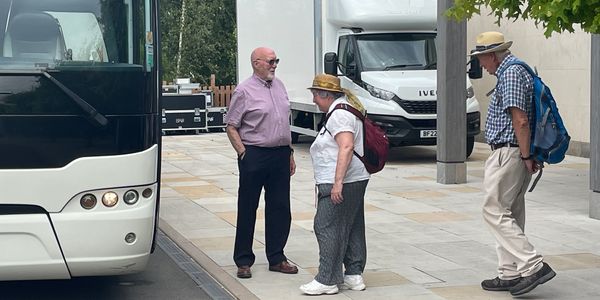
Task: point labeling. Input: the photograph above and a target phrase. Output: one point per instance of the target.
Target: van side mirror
(330, 63)
(350, 71)
(475, 71)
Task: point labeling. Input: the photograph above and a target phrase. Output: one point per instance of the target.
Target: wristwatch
(526, 158)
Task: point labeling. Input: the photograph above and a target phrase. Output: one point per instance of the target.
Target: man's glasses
(270, 61)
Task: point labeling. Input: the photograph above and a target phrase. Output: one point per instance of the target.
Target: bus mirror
(475, 71)
(330, 63)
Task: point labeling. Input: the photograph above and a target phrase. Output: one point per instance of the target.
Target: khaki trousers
(505, 181)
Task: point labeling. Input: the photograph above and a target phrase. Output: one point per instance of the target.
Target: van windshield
(396, 51)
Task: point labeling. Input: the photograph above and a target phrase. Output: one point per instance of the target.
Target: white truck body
(302, 31)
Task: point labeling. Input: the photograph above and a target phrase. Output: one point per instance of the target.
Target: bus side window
(82, 35)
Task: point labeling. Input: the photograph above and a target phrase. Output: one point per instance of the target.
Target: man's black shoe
(498, 284)
(528, 283)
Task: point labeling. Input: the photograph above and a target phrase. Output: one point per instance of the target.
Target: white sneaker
(354, 282)
(316, 288)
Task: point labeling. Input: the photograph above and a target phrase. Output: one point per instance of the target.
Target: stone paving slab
(425, 240)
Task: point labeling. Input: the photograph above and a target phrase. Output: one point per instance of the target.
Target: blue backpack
(549, 137)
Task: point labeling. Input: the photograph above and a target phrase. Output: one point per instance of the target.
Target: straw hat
(326, 82)
(491, 41)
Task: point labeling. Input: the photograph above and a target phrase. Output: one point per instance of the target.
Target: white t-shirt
(324, 150)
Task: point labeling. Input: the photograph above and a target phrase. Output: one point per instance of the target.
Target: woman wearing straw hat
(341, 182)
(508, 169)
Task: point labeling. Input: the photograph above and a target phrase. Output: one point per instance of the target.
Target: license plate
(428, 133)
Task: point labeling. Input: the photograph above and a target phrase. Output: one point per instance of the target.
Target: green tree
(208, 40)
(170, 13)
(554, 15)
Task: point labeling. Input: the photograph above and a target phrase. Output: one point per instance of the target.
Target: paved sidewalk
(425, 240)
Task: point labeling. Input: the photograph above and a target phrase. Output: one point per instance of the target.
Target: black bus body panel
(42, 127)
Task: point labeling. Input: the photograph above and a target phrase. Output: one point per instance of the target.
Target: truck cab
(394, 76)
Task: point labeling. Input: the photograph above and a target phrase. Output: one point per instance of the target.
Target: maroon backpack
(375, 142)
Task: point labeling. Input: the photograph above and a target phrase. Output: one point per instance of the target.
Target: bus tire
(470, 145)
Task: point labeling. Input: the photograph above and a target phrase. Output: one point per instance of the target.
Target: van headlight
(470, 92)
(379, 93)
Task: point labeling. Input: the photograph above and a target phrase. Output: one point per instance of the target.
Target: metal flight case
(181, 112)
(216, 118)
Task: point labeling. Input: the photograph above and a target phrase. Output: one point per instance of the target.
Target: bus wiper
(92, 113)
(400, 66)
(429, 65)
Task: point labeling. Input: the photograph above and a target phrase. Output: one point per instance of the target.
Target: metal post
(594, 132)
(451, 96)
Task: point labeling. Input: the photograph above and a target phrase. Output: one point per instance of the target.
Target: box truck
(384, 51)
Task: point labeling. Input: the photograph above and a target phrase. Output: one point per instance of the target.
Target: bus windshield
(85, 64)
(52, 33)
(382, 52)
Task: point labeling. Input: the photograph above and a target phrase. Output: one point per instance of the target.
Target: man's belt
(498, 146)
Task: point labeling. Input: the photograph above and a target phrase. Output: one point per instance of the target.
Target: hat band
(326, 85)
(483, 48)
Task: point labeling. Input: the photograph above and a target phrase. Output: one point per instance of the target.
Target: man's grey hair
(501, 55)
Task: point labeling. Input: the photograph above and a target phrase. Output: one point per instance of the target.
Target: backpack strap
(354, 111)
(521, 63)
(347, 107)
(515, 62)
(537, 178)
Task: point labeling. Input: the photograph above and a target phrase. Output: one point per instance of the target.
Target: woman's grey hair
(337, 94)
(325, 94)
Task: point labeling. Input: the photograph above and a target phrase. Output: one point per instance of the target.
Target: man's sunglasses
(271, 61)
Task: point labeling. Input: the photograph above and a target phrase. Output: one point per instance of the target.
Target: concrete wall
(563, 62)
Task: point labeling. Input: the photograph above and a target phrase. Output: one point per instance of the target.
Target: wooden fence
(221, 94)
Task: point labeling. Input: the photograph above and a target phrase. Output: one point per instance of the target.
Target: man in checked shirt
(509, 168)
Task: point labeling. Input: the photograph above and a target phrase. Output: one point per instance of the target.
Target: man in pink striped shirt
(259, 131)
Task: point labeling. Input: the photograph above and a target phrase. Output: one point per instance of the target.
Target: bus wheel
(470, 145)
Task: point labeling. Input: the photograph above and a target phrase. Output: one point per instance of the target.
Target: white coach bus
(79, 137)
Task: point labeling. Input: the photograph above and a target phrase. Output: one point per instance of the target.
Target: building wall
(563, 61)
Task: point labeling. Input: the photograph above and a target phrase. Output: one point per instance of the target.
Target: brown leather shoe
(284, 267)
(244, 272)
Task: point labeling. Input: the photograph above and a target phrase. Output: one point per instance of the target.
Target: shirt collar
(504, 64)
(336, 102)
(261, 81)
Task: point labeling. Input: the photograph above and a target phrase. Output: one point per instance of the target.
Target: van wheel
(470, 145)
(295, 137)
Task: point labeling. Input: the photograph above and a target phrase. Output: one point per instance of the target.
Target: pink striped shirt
(260, 111)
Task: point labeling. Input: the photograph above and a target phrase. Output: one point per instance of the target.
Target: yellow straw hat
(491, 41)
(331, 83)
(326, 82)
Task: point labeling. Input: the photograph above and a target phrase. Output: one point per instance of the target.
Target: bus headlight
(131, 197)
(130, 238)
(88, 201)
(147, 193)
(110, 199)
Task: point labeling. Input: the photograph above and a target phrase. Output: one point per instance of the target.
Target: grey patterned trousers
(340, 231)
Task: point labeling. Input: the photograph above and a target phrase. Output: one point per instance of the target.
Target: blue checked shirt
(514, 89)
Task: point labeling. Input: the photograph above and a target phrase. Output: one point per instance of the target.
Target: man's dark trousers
(268, 168)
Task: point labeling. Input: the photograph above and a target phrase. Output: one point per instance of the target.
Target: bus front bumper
(96, 243)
